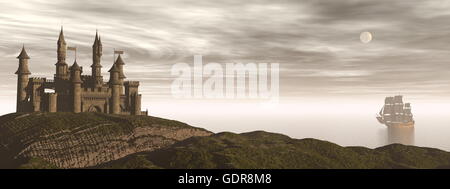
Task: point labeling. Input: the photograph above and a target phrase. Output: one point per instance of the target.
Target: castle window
(49, 91)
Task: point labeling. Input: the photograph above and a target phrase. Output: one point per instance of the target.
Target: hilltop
(77, 140)
(256, 150)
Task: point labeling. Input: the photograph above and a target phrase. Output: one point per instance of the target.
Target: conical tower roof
(23, 54)
(75, 77)
(114, 68)
(97, 40)
(61, 36)
(75, 66)
(119, 60)
(23, 66)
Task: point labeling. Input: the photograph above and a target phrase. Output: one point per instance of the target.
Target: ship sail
(380, 116)
(388, 110)
(408, 117)
(395, 112)
(380, 119)
(398, 109)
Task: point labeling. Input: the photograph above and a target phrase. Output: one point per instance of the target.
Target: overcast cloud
(316, 42)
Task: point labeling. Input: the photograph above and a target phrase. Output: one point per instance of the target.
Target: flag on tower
(118, 52)
(73, 49)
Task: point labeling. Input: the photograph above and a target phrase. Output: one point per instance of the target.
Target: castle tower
(119, 63)
(115, 84)
(22, 81)
(96, 57)
(133, 97)
(75, 78)
(61, 65)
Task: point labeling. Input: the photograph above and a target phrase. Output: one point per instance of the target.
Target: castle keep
(73, 92)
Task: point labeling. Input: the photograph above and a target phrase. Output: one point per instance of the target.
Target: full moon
(365, 37)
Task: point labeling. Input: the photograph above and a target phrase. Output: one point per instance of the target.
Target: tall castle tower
(22, 81)
(75, 78)
(119, 62)
(73, 92)
(115, 84)
(96, 67)
(61, 65)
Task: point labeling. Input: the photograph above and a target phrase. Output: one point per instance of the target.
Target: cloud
(316, 42)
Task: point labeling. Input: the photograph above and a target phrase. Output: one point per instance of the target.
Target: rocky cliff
(69, 140)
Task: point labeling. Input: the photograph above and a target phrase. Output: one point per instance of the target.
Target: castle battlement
(38, 79)
(131, 83)
(95, 90)
(86, 77)
(74, 92)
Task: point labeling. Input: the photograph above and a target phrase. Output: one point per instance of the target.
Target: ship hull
(401, 124)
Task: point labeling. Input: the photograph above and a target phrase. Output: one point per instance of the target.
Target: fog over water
(331, 84)
(351, 124)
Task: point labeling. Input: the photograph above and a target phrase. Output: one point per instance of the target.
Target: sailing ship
(395, 113)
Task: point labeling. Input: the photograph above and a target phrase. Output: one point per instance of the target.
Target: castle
(70, 91)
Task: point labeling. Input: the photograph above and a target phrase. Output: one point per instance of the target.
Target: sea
(344, 123)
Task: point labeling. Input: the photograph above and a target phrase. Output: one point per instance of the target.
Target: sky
(322, 61)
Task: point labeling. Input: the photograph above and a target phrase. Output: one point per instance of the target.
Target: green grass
(253, 150)
(137, 162)
(18, 130)
(263, 150)
(48, 123)
(37, 163)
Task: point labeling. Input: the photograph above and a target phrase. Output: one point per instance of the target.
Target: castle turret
(115, 84)
(75, 78)
(52, 102)
(96, 57)
(61, 65)
(119, 63)
(133, 97)
(22, 81)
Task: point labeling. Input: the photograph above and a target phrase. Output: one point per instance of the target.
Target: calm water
(352, 126)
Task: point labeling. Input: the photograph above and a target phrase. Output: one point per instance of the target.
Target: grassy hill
(96, 140)
(77, 140)
(260, 149)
